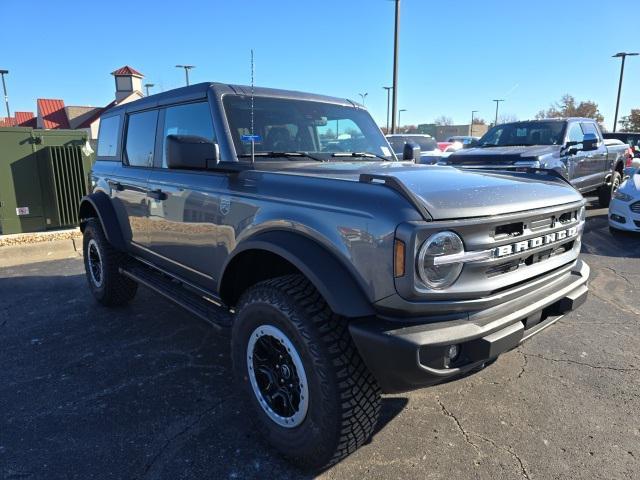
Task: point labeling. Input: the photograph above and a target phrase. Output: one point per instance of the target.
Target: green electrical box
(43, 176)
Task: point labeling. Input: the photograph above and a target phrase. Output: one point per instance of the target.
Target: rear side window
(141, 138)
(192, 119)
(108, 136)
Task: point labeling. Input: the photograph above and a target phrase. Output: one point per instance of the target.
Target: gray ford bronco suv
(341, 271)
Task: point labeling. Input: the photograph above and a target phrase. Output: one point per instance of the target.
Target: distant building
(54, 114)
(442, 132)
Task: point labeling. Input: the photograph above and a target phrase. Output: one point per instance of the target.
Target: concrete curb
(20, 254)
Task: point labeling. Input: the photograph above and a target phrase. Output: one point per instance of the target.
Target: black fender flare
(100, 203)
(329, 275)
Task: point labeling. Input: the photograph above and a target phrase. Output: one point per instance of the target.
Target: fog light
(452, 352)
(618, 218)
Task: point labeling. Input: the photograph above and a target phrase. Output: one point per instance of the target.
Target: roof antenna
(253, 137)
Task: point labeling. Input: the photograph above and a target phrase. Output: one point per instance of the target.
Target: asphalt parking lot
(145, 391)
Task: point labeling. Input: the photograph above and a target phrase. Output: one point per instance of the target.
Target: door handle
(157, 194)
(115, 185)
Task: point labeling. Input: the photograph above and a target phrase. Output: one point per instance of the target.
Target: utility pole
(4, 87)
(622, 55)
(186, 71)
(395, 68)
(399, 112)
(498, 100)
(473, 112)
(147, 86)
(363, 95)
(388, 89)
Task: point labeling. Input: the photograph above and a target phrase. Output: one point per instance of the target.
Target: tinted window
(191, 119)
(575, 133)
(588, 127)
(524, 133)
(285, 125)
(141, 138)
(108, 136)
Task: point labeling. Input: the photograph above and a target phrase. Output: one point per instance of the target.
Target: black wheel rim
(94, 260)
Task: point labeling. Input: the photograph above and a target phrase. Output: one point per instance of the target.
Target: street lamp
(473, 112)
(498, 100)
(622, 55)
(399, 113)
(363, 95)
(395, 68)
(186, 70)
(4, 87)
(388, 89)
(147, 86)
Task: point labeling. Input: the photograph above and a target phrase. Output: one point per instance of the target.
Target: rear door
(185, 229)
(129, 181)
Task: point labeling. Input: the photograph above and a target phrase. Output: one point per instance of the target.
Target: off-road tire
(605, 192)
(344, 397)
(114, 288)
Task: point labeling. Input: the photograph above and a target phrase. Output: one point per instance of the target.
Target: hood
(631, 185)
(450, 193)
(501, 155)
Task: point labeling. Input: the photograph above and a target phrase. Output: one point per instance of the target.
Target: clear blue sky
(453, 59)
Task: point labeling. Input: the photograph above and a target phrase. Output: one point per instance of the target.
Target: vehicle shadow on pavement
(143, 391)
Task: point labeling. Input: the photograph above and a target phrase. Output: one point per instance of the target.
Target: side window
(108, 136)
(588, 127)
(190, 119)
(141, 138)
(575, 133)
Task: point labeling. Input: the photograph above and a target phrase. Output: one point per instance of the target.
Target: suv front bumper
(405, 354)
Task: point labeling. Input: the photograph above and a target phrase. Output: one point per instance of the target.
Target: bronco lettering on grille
(536, 242)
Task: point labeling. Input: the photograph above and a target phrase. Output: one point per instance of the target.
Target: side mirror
(589, 142)
(411, 151)
(191, 152)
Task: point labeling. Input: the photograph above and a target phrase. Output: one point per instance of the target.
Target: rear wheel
(102, 267)
(605, 193)
(309, 392)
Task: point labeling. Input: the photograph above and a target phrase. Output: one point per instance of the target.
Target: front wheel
(308, 390)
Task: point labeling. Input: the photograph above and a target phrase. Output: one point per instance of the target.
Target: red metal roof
(25, 119)
(127, 70)
(52, 113)
(7, 122)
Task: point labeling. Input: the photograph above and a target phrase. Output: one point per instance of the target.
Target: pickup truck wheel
(605, 193)
(309, 392)
(101, 264)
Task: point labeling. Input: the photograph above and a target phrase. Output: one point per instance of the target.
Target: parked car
(624, 210)
(630, 138)
(465, 140)
(429, 152)
(449, 147)
(573, 147)
(338, 275)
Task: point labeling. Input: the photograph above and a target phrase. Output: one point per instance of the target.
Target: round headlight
(440, 275)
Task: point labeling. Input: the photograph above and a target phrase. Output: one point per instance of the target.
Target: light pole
(622, 55)
(147, 86)
(186, 71)
(497, 100)
(363, 95)
(395, 69)
(473, 112)
(388, 89)
(4, 87)
(399, 113)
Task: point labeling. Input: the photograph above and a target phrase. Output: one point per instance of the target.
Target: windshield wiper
(281, 155)
(360, 154)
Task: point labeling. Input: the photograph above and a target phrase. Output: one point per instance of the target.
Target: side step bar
(194, 303)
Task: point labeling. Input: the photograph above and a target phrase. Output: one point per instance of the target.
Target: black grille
(635, 207)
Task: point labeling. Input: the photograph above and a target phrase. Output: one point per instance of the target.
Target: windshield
(524, 133)
(426, 144)
(319, 129)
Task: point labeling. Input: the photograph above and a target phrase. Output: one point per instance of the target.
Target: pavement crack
(631, 310)
(621, 275)
(464, 433)
(598, 367)
(523, 468)
(524, 365)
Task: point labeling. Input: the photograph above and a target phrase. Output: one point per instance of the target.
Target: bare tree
(443, 120)
(507, 118)
(479, 121)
